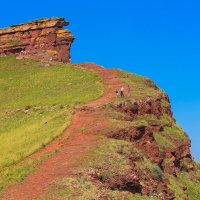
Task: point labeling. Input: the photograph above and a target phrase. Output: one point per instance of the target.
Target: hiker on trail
(116, 92)
(122, 92)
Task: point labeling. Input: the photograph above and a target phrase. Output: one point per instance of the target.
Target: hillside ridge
(112, 147)
(90, 121)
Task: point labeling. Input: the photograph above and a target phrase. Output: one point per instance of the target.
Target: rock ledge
(43, 39)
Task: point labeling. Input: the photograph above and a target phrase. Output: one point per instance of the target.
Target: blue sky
(159, 39)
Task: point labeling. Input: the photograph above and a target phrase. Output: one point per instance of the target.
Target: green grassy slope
(143, 87)
(111, 159)
(36, 104)
(29, 83)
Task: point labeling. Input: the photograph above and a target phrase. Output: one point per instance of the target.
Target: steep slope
(130, 148)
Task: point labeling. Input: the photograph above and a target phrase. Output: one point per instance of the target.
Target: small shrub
(185, 166)
(27, 107)
(43, 145)
(156, 172)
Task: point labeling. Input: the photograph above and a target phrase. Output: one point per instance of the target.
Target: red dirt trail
(60, 164)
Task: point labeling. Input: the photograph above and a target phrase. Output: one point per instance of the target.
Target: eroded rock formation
(177, 155)
(170, 154)
(43, 39)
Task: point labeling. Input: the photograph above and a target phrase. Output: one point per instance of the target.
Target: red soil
(85, 125)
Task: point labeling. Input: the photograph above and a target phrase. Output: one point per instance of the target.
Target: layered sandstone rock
(43, 39)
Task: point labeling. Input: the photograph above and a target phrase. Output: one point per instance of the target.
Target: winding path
(60, 164)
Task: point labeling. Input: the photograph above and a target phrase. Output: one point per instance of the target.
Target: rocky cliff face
(43, 39)
(159, 139)
(146, 121)
(174, 155)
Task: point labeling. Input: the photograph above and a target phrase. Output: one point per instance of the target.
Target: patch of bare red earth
(84, 128)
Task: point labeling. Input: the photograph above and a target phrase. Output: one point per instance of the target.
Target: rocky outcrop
(153, 106)
(43, 39)
(170, 160)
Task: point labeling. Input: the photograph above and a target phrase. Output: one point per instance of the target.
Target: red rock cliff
(43, 39)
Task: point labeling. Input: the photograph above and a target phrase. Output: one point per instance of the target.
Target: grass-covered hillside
(140, 86)
(121, 168)
(132, 148)
(36, 104)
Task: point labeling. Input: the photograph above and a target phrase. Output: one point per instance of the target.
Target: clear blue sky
(159, 39)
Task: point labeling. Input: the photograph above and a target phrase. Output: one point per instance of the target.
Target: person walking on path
(122, 92)
(116, 92)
